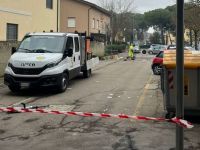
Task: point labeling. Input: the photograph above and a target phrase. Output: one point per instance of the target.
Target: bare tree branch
(117, 6)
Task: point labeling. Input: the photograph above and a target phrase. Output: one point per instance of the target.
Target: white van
(48, 59)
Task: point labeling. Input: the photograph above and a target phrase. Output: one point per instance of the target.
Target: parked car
(173, 47)
(156, 48)
(136, 49)
(157, 63)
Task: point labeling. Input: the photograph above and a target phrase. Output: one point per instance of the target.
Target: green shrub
(114, 49)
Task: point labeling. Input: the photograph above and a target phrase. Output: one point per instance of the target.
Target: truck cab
(48, 59)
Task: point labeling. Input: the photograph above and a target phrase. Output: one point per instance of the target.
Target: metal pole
(57, 15)
(180, 72)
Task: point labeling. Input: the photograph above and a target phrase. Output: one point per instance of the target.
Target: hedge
(113, 49)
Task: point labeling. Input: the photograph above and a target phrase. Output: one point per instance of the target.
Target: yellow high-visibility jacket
(130, 51)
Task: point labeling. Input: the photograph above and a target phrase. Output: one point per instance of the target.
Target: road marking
(23, 101)
(142, 97)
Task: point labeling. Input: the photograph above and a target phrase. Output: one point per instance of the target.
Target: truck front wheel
(63, 83)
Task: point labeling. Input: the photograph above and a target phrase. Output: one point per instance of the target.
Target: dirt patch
(6, 118)
(31, 120)
(2, 131)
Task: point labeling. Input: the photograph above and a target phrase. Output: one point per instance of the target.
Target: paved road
(126, 87)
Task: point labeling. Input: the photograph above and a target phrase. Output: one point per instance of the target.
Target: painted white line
(142, 97)
(23, 101)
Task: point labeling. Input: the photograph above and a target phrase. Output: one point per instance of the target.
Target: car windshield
(160, 54)
(42, 44)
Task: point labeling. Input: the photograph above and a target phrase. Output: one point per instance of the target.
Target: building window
(12, 32)
(97, 24)
(49, 4)
(71, 22)
(93, 23)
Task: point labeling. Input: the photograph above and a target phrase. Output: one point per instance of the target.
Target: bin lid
(191, 59)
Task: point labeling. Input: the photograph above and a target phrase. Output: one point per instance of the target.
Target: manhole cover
(60, 107)
(151, 86)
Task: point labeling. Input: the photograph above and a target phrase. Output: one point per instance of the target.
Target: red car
(157, 63)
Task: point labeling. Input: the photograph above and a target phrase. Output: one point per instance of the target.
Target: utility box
(191, 82)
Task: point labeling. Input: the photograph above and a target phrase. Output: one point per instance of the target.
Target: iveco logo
(28, 64)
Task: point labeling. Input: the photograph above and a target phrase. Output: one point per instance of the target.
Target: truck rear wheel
(14, 88)
(63, 83)
(87, 73)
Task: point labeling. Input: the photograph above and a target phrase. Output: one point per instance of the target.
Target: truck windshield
(42, 44)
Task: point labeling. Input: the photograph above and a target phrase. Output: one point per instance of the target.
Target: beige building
(172, 38)
(82, 16)
(85, 17)
(21, 16)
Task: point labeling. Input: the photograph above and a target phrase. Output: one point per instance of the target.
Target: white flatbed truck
(49, 59)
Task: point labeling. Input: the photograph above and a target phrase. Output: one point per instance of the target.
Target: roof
(95, 7)
(51, 34)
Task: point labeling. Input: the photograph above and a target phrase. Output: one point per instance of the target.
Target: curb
(110, 57)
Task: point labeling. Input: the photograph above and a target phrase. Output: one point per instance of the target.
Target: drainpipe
(89, 20)
(57, 15)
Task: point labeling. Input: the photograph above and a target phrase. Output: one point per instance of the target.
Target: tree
(197, 2)
(155, 38)
(117, 6)
(140, 25)
(192, 20)
(120, 16)
(160, 19)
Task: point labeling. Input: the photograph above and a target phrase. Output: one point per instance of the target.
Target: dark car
(157, 63)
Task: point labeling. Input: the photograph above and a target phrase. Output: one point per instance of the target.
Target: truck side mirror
(68, 52)
(13, 50)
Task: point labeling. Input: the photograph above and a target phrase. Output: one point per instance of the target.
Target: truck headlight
(51, 65)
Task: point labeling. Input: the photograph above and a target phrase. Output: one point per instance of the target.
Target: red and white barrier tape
(175, 120)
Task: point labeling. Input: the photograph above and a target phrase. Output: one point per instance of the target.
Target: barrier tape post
(175, 120)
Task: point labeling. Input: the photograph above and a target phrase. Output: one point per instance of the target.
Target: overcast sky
(146, 5)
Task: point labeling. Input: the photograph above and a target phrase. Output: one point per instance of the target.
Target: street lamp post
(180, 72)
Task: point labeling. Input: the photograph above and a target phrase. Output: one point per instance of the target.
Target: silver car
(156, 48)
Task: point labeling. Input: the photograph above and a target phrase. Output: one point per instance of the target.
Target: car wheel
(156, 69)
(144, 51)
(63, 83)
(14, 88)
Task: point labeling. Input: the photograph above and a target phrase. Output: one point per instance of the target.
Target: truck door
(77, 57)
(70, 45)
